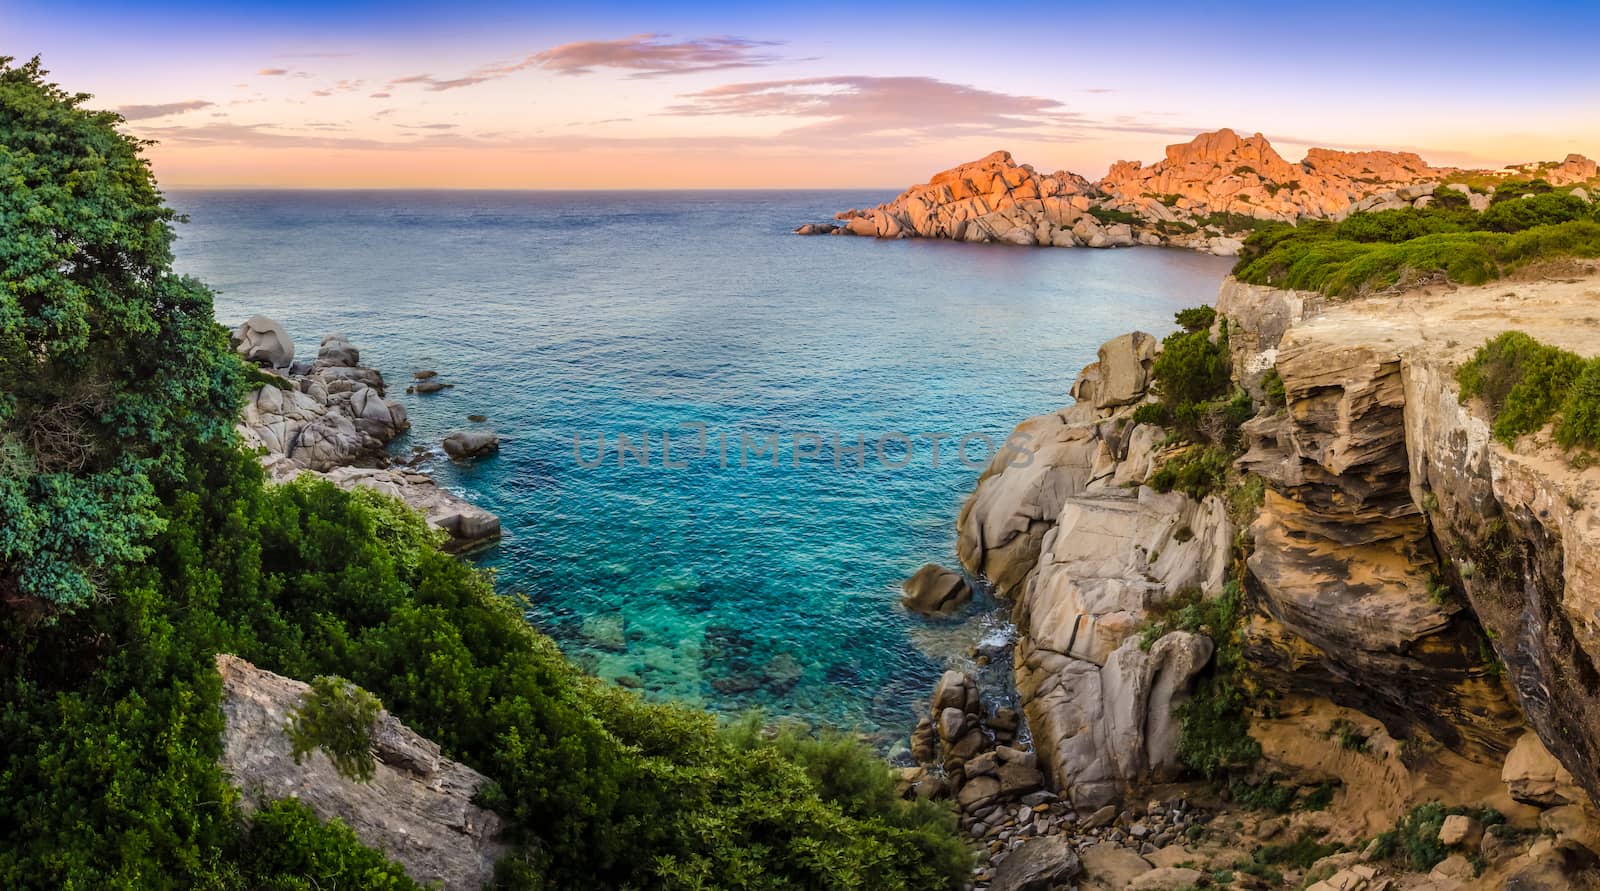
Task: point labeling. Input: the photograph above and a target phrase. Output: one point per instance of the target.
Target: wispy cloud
(642, 55)
(273, 72)
(343, 86)
(146, 112)
(860, 105)
(652, 55)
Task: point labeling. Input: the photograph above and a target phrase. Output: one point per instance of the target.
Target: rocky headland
(1417, 610)
(330, 418)
(1206, 194)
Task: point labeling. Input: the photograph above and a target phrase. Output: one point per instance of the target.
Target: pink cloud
(146, 112)
(650, 55)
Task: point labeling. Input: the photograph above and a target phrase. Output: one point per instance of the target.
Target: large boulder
(1533, 776)
(935, 591)
(418, 809)
(1040, 864)
(265, 342)
(464, 444)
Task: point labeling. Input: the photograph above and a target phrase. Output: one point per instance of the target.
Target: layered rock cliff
(1406, 571)
(1205, 195)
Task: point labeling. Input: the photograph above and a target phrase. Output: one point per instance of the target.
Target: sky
(600, 95)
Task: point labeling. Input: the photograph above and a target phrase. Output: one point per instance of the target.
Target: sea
(723, 445)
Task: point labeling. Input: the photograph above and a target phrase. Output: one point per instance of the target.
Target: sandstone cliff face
(417, 810)
(1084, 551)
(1402, 552)
(1195, 197)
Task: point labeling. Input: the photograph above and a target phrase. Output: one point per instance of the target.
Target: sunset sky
(875, 94)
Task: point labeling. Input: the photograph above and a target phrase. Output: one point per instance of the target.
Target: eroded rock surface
(417, 810)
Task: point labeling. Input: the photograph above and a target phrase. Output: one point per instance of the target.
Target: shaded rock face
(1344, 565)
(417, 810)
(1038, 865)
(1522, 536)
(471, 443)
(1403, 553)
(1084, 551)
(263, 341)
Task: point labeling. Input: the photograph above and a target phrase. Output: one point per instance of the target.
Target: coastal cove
(642, 313)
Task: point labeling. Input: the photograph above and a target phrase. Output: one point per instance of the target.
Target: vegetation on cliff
(1372, 251)
(1524, 384)
(137, 540)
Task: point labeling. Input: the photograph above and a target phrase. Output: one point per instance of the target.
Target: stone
(1456, 867)
(262, 340)
(1533, 776)
(463, 444)
(424, 375)
(935, 591)
(1573, 822)
(1016, 779)
(1101, 817)
(1166, 878)
(1038, 864)
(1460, 831)
(977, 792)
(1124, 369)
(418, 809)
(430, 386)
(1560, 867)
(1110, 867)
(338, 352)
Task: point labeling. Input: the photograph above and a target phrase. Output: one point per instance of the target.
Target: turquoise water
(558, 315)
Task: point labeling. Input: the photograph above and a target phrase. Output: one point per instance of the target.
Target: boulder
(418, 809)
(338, 352)
(265, 342)
(1460, 831)
(1167, 878)
(1040, 864)
(1533, 776)
(1125, 369)
(463, 444)
(1108, 866)
(935, 591)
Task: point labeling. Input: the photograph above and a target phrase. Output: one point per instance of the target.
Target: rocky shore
(1389, 667)
(330, 418)
(1206, 194)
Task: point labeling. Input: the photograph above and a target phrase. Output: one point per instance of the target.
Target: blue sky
(881, 94)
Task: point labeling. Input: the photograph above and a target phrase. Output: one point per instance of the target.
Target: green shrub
(1215, 735)
(1196, 318)
(1522, 382)
(1272, 389)
(1110, 216)
(1299, 854)
(286, 848)
(1190, 369)
(1580, 410)
(1350, 738)
(336, 716)
(1414, 841)
(1265, 795)
(1197, 471)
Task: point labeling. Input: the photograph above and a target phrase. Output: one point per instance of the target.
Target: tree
(90, 410)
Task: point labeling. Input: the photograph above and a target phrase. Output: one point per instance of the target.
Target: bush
(1414, 841)
(1197, 471)
(1190, 369)
(286, 848)
(1196, 318)
(1580, 411)
(1215, 734)
(1521, 381)
(336, 716)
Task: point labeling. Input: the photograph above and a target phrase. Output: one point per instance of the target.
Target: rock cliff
(417, 809)
(1407, 574)
(330, 418)
(1205, 195)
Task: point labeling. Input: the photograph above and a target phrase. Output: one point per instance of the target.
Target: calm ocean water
(580, 314)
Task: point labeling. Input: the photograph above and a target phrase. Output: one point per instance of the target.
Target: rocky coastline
(1392, 666)
(1207, 195)
(330, 418)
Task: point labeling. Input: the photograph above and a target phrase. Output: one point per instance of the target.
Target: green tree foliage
(1414, 841)
(336, 716)
(1580, 411)
(110, 719)
(107, 359)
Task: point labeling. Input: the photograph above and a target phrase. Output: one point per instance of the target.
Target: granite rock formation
(1204, 195)
(417, 809)
(331, 419)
